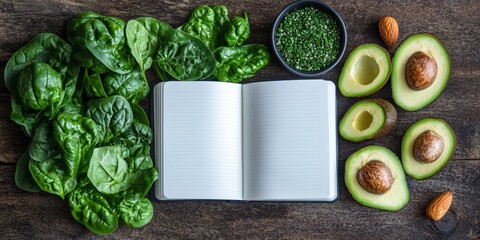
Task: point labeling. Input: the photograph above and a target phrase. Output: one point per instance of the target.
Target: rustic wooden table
(457, 23)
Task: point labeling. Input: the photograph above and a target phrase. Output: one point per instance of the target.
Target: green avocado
(368, 119)
(420, 169)
(365, 71)
(393, 199)
(404, 95)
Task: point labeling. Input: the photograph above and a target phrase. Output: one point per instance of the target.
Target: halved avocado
(418, 168)
(396, 197)
(365, 71)
(411, 98)
(368, 119)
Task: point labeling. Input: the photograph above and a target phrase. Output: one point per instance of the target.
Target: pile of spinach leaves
(78, 101)
(188, 52)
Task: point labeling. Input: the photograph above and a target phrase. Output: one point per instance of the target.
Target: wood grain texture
(28, 215)
(12, 140)
(455, 23)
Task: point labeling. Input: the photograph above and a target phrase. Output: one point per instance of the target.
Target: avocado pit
(428, 147)
(375, 177)
(420, 71)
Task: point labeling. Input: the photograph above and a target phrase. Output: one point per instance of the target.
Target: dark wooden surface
(457, 23)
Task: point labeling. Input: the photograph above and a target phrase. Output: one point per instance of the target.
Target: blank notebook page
(202, 146)
(290, 140)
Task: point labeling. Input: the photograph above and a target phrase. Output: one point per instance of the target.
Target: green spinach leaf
(208, 24)
(93, 85)
(113, 114)
(39, 87)
(139, 158)
(76, 136)
(52, 177)
(142, 182)
(108, 170)
(26, 118)
(238, 31)
(143, 173)
(69, 85)
(139, 133)
(43, 147)
(92, 209)
(23, 177)
(45, 162)
(73, 106)
(135, 212)
(132, 86)
(87, 60)
(144, 35)
(238, 63)
(220, 27)
(81, 54)
(185, 57)
(104, 37)
(139, 114)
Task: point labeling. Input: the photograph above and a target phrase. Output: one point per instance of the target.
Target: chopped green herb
(308, 39)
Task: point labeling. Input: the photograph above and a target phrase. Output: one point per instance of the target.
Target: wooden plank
(12, 140)
(32, 215)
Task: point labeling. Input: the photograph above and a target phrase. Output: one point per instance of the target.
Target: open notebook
(265, 141)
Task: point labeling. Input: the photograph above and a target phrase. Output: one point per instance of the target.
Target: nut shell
(439, 206)
(428, 147)
(388, 29)
(421, 71)
(375, 177)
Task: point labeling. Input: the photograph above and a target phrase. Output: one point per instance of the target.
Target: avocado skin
(391, 117)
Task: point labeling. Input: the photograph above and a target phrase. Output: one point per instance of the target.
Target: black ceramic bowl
(323, 7)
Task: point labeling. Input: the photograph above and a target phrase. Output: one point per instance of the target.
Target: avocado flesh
(365, 71)
(394, 199)
(362, 121)
(403, 95)
(420, 170)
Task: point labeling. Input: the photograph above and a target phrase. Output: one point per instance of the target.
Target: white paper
(290, 140)
(202, 147)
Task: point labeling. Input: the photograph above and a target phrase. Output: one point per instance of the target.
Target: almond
(388, 28)
(439, 206)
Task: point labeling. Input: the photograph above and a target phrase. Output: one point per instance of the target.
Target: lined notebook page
(202, 146)
(290, 140)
